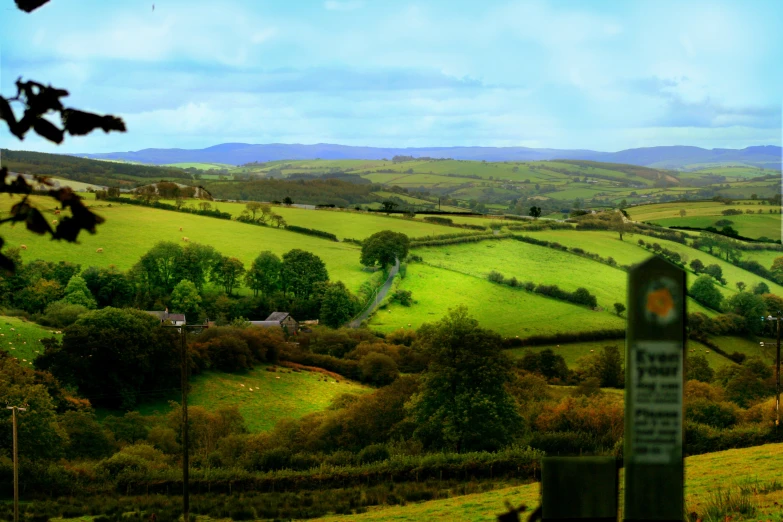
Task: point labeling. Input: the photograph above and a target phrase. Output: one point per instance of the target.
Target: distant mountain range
(670, 157)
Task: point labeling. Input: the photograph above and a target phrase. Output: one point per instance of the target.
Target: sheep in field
(57, 212)
(180, 229)
(23, 247)
(54, 222)
(185, 239)
(99, 251)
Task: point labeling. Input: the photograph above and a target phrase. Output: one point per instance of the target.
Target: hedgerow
(312, 232)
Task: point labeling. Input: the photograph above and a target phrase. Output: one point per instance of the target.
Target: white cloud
(335, 5)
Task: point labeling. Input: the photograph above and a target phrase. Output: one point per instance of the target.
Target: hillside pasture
(263, 397)
(527, 262)
(201, 166)
(629, 252)
(344, 223)
(572, 352)
(753, 226)
(130, 231)
(21, 339)
(508, 311)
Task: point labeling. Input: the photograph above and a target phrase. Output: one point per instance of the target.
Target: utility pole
(14, 409)
(184, 374)
(777, 367)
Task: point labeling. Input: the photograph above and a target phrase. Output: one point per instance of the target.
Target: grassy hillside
(129, 231)
(629, 252)
(263, 397)
(530, 263)
(350, 224)
(508, 311)
(752, 468)
(572, 352)
(706, 213)
(20, 338)
(201, 166)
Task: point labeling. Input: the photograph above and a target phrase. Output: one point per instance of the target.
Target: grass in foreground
(263, 397)
(752, 468)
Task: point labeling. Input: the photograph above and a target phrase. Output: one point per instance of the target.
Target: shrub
(373, 453)
(404, 297)
(496, 277)
(312, 232)
(715, 414)
(378, 368)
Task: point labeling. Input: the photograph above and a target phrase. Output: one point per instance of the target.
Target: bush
(404, 297)
(312, 232)
(439, 220)
(715, 414)
(373, 453)
(377, 368)
(496, 277)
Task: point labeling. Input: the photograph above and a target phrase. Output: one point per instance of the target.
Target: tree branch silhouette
(38, 102)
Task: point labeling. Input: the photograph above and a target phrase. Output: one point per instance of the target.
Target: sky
(601, 75)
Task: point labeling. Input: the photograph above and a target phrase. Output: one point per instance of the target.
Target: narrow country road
(378, 298)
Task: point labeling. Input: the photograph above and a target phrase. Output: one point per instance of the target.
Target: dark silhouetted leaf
(79, 123)
(6, 113)
(18, 186)
(36, 222)
(47, 130)
(7, 263)
(28, 6)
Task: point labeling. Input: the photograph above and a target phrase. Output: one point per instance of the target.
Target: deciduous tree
(228, 272)
(384, 248)
(301, 271)
(463, 404)
(705, 292)
(264, 274)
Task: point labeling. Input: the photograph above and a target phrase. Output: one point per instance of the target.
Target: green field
(201, 166)
(572, 352)
(344, 223)
(533, 263)
(21, 338)
(704, 474)
(263, 397)
(729, 171)
(704, 214)
(628, 252)
(130, 231)
(508, 311)
(753, 226)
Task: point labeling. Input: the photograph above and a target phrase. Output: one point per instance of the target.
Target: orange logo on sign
(660, 303)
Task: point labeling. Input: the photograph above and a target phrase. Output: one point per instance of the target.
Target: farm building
(281, 319)
(175, 319)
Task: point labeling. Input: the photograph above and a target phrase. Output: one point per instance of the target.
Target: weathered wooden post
(654, 438)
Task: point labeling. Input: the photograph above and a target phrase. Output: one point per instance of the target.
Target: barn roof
(277, 316)
(165, 315)
(265, 324)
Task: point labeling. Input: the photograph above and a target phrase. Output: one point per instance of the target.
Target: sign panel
(656, 393)
(654, 478)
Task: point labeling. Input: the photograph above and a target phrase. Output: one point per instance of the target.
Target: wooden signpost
(654, 437)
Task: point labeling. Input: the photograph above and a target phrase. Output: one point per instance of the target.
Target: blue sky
(562, 74)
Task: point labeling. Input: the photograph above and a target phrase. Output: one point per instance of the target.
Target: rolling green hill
(751, 223)
(263, 397)
(130, 231)
(508, 311)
